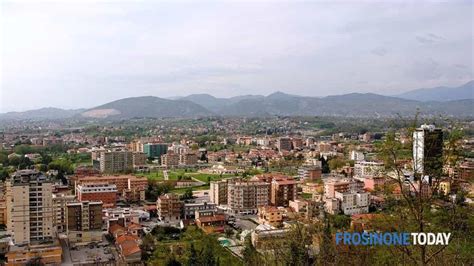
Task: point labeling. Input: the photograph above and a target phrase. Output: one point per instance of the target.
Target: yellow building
(270, 215)
(49, 254)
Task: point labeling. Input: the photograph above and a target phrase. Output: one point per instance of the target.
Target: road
(66, 257)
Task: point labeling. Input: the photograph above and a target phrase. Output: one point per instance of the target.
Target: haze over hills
(278, 103)
(147, 106)
(441, 94)
(42, 113)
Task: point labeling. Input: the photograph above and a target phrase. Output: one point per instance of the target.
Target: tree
(172, 261)
(250, 255)
(415, 212)
(324, 166)
(341, 221)
(207, 257)
(228, 232)
(3, 174)
(193, 259)
(336, 163)
(326, 255)
(147, 246)
(188, 194)
(24, 163)
(61, 165)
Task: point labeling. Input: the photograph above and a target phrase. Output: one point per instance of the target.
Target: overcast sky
(84, 55)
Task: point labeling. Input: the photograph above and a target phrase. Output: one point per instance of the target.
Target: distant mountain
(207, 101)
(441, 94)
(278, 103)
(351, 105)
(217, 105)
(147, 106)
(41, 114)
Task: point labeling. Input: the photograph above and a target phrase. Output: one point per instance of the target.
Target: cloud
(81, 54)
(429, 38)
(380, 51)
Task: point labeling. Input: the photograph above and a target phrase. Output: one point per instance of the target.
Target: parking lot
(101, 252)
(244, 222)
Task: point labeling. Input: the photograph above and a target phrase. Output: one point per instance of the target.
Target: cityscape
(242, 169)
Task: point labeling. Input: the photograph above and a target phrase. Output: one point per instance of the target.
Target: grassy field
(182, 190)
(174, 175)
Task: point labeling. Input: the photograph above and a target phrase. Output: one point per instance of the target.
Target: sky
(84, 54)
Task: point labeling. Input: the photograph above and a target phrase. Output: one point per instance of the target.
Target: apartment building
(218, 192)
(124, 216)
(155, 150)
(60, 202)
(210, 221)
(265, 142)
(325, 147)
(104, 192)
(284, 144)
(428, 151)
(244, 196)
(84, 221)
(282, 191)
(364, 168)
(270, 215)
(374, 182)
(282, 188)
(135, 146)
(130, 187)
(466, 170)
(190, 209)
(333, 185)
(353, 202)
(30, 209)
(309, 172)
(113, 161)
(139, 159)
(297, 143)
(357, 156)
(3, 211)
(188, 159)
(169, 207)
(170, 159)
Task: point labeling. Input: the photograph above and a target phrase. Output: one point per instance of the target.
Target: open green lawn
(174, 174)
(204, 177)
(182, 190)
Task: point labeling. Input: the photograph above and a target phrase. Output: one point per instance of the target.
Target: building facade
(84, 221)
(428, 151)
(114, 161)
(170, 159)
(106, 193)
(30, 212)
(169, 207)
(155, 150)
(245, 196)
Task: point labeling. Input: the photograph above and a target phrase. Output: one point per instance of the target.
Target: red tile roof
(214, 218)
(115, 228)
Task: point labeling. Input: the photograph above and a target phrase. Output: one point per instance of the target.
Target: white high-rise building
(428, 151)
